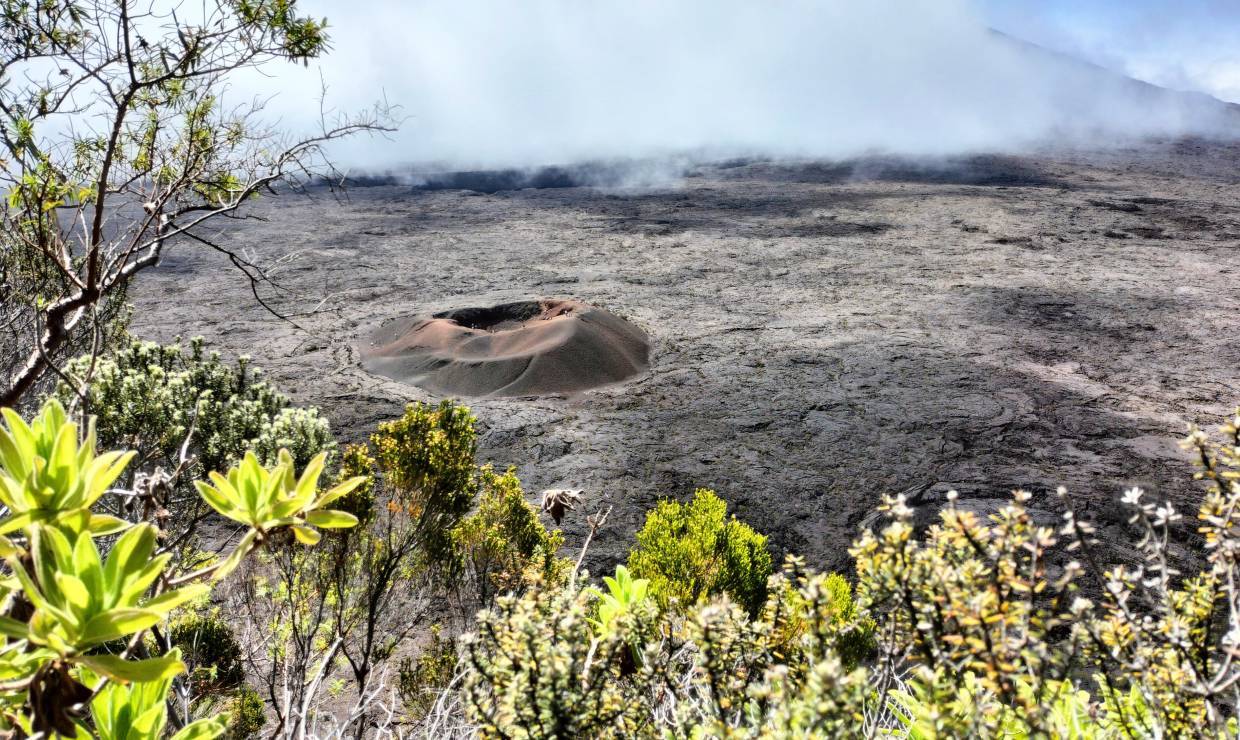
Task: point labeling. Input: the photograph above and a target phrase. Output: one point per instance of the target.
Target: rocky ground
(823, 333)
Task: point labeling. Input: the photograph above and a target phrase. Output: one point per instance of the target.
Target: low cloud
(492, 83)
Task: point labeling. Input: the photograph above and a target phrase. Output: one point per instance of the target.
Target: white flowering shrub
(167, 401)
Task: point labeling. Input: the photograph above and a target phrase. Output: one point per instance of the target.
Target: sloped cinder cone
(530, 348)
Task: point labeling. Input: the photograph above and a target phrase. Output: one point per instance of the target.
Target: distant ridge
(1107, 76)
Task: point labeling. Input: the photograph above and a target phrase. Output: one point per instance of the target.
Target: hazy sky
(1186, 44)
(492, 83)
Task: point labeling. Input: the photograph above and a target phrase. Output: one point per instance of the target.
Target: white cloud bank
(494, 83)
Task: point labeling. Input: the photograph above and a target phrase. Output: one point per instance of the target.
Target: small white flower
(900, 509)
(1165, 514)
(1133, 496)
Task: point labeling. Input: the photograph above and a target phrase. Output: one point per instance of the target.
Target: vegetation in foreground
(419, 593)
(186, 554)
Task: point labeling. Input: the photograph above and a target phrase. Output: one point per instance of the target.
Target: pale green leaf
(331, 519)
(140, 671)
(306, 535)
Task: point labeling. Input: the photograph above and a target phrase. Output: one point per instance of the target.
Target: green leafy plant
(536, 667)
(815, 613)
(50, 476)
(139, 711)
(81, 602)
(691, 552)
(624, 594)
(266, 500)
(64, 600)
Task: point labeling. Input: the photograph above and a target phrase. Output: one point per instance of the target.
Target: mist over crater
(488, 85)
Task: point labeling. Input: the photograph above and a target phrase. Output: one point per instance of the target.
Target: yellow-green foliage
(968, 629)
(538, 669)
(420, 680)
(427, 461)
(245, 712)
(66, 597)
(581, 662)
(503, 544)
(624, 594)
(815, 613)
(691, 552)
(266, 500)
(356, 462)
(139, 711)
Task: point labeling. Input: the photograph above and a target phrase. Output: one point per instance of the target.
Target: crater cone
(528, 348)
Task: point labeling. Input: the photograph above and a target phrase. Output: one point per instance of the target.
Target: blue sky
(1186, 44)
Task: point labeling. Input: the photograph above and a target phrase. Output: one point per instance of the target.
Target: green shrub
(246, 714)
(210, 651)
(148, 397)
(575, 662)
(420, 680)
(814, 614)
(503, 545)
(349, 606)
(966, 629)
(691, 552)
(427, 462)
(302, 432)
(355, 462)
(536, 667)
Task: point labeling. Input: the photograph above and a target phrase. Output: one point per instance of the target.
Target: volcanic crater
(525, 348)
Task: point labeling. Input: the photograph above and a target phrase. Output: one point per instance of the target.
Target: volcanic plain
(821, 333)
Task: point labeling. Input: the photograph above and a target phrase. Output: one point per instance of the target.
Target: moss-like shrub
(246, 714)
(690, 552)
(816, 612)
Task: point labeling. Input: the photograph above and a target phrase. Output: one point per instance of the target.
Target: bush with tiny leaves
(150, 397)
(693, 551)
